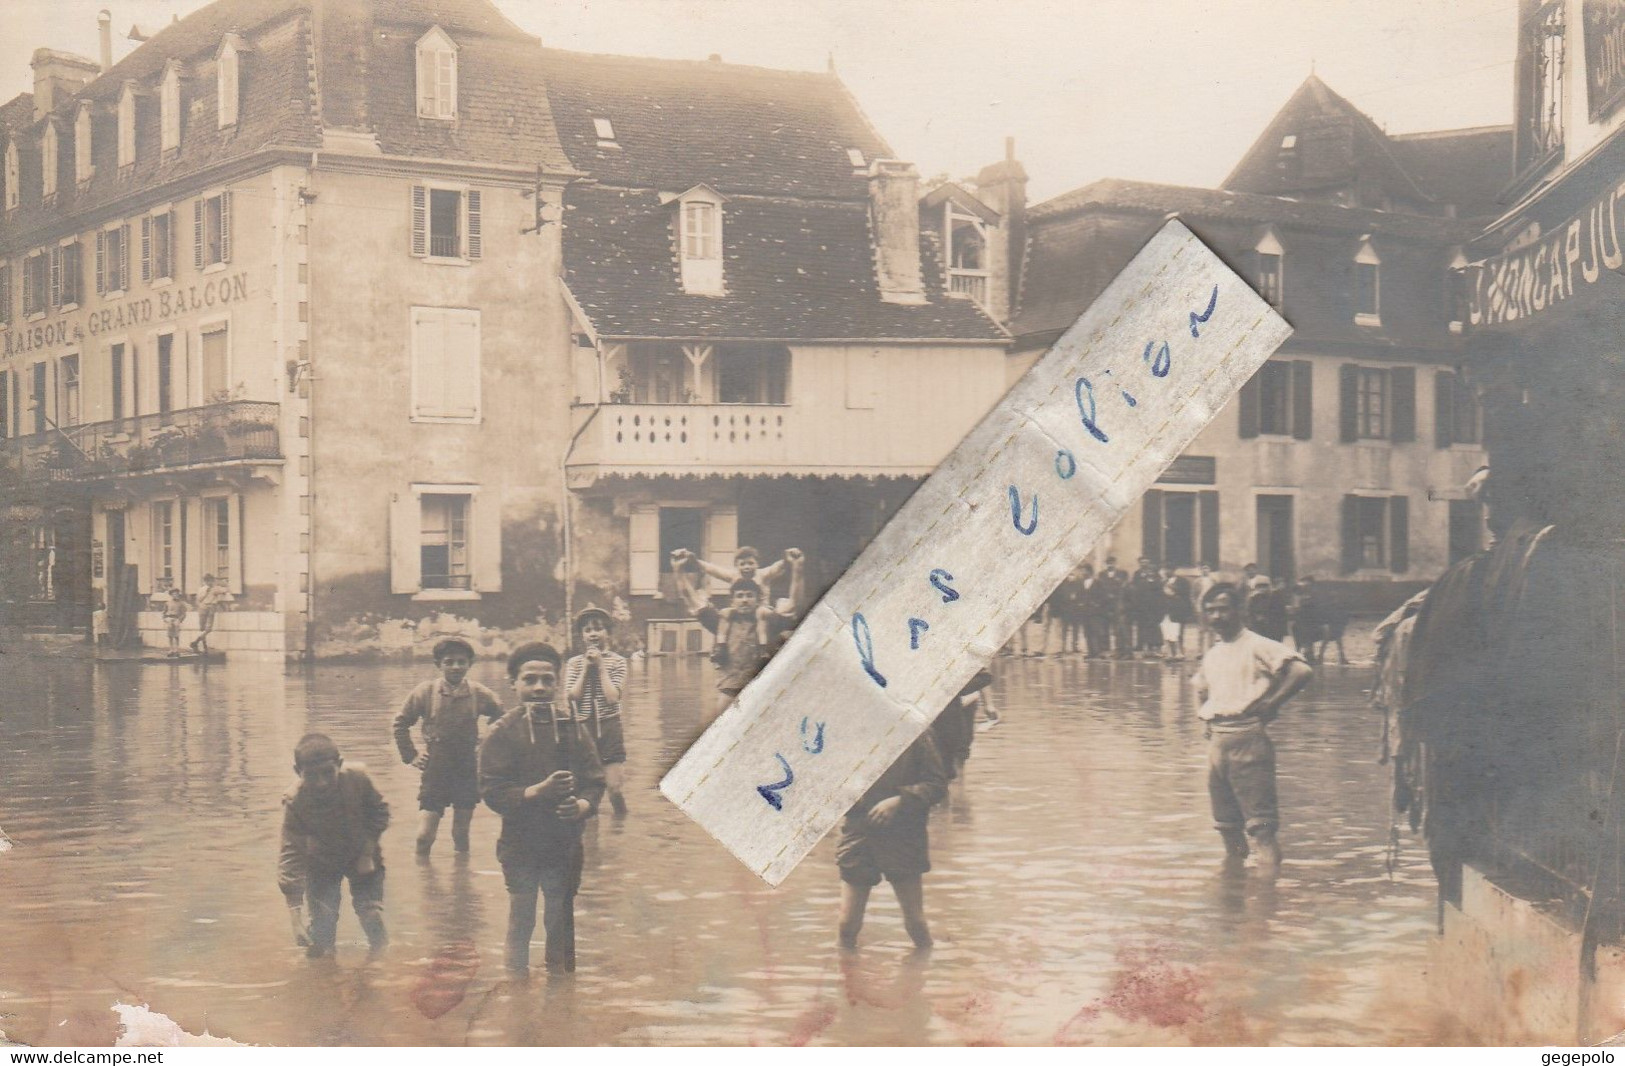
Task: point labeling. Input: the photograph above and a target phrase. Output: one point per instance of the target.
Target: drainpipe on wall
(306, 197)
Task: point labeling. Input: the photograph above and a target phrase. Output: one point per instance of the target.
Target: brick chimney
(894, 216)
(1003, 187)
(57, 75)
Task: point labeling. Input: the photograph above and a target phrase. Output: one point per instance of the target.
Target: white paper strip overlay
(976, 550)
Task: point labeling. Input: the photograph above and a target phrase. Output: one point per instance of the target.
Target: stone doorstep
(1508, 971)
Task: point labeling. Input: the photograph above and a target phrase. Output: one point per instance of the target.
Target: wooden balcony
(972, 283)
(225, 434)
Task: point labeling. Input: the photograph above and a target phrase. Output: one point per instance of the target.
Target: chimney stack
(894, 215)
(1003, 187)
(104, 23)
(56, 73)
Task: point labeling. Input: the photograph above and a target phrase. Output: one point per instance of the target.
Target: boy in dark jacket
(450, 708)
(884, 835)
(331, 822)
(540, 771)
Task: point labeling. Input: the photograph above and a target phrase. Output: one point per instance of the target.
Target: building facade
(1346, 458)
(401, 324)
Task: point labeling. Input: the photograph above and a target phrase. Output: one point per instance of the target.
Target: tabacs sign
(1605, 55)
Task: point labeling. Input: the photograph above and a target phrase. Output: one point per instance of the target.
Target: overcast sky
(1156, 90)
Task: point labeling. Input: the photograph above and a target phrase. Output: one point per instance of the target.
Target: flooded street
(1075, 896)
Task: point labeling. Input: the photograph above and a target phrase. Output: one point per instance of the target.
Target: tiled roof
(1250, 207)
(792, 268)
(738, 129)
(1078, 242)
(1468, 168)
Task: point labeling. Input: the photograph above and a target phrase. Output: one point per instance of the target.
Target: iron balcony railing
(195, 436)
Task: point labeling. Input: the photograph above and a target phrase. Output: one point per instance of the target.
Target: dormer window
(48, 160)
(965, 224)
(699, 240)
(437, 75)
(1367, 285)
(1271, 268)
(169, 109)
(14, 177)
(228, 85)
(83, 166)
(855, 157)
(605, 131)
(126, 126)
(1289, 143)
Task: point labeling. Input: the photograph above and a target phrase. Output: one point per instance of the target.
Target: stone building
(404, 324)
(1346, 457)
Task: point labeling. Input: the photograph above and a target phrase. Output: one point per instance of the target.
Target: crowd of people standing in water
(1155, 613)
(545, 765)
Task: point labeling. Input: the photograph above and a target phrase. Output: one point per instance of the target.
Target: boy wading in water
(594, 681)
(1243, 681)
(540, 771)
(884, 835)
(450, 708)
(331, 822)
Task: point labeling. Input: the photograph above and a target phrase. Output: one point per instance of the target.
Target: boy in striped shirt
(594, 681)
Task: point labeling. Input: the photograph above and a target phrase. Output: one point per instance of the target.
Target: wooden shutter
(1351, 534)
(643, 550)
(5, 293)
(1444, 408)
(1399, 534)
(406, 542)
(420, 217)
(1151, 525)
(487, 537)
(1402, 394)
(721, 541)
(428, 362)
(1303, 399)
(476, 244)
(56, 276)
(101, 262)
(1249, 406)
(426, 83)
(1207, 513)
(225, 226)
(1348, 400)
(146, 247)
(197, 234)
(460, 365)
(172, 245)
(124, 258)
(28, 286)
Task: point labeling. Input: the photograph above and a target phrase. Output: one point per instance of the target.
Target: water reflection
(1076, 896)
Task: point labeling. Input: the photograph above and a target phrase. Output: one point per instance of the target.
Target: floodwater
(1076, 896)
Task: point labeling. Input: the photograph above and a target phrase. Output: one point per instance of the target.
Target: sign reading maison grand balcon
(1559, 266)
(125, 314)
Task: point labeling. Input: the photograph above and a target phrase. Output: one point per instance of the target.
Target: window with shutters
(1279, 400)
(14, 177)
(445, 364)
(1376, 533)
(1457, 415)
(126, 126)
(115, 382)
(219, 558)
(164, 539)
(214, 357)
(69, 412)
(211, 231)
(1371, 404)
(5, 294)
(1271, 259)
(1275, 398)
(699, 241)
(37, 395)
(158, 247)
(1180, 529)
(37, 283)
(169, 109)
(446, 223)
(84, 166)
(166, 372)
(227, 83)
(48, 162)
(5, 404)
(1367, 286)
(113, 260)
(444, 555)
(437, 75)
(67, 276)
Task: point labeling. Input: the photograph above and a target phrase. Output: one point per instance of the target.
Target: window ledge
(68, 307)
(114, 294)
(159, 283)
(1363, 319)
(448, 420)
(37, 316)
(445, 595)
(215, 268)
(447, 260)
